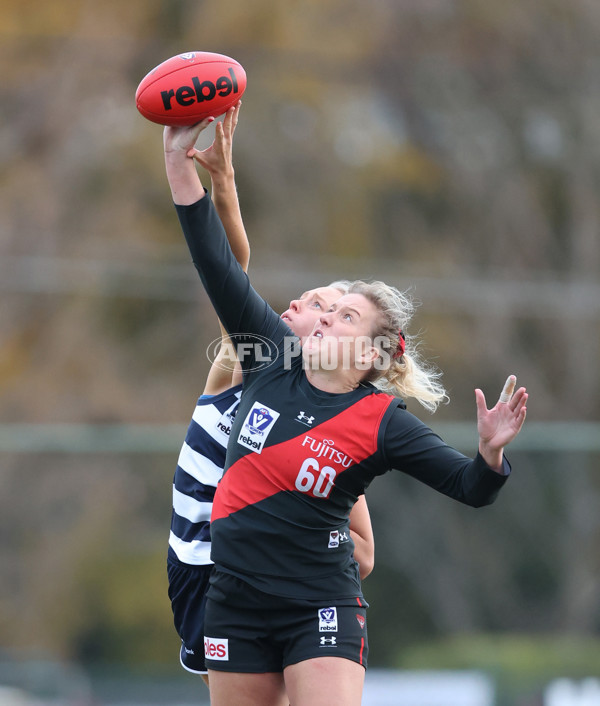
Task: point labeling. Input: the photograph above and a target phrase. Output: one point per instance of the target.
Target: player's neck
(334, 381)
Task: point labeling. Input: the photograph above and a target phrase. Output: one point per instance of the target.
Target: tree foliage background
(448, 146)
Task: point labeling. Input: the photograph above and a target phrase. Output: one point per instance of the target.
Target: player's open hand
(217, 159)
(181, 139)
(499, 425)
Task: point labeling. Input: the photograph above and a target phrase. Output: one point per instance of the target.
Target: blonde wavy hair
(342, 285)
(407, 375)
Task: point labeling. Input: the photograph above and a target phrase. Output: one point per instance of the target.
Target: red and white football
(187, 88)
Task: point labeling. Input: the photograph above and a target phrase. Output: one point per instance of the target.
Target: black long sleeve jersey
(299, 457)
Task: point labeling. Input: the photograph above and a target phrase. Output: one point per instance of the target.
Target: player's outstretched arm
(218, 162)
(186, 186)
(499, 425)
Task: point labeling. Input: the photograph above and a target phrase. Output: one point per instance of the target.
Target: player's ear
(365, 353)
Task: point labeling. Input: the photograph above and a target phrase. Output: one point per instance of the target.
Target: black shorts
(268, 634)
(187, 591)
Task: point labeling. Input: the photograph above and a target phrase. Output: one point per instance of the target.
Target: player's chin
(311, 354)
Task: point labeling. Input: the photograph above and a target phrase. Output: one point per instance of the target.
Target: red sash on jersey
(310, 462)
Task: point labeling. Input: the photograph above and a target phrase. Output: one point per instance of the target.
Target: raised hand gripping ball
(188, 88)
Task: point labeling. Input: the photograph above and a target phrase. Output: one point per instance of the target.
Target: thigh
(325, 681)
(228, 688)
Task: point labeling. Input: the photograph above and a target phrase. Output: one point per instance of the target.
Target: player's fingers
(217, 145)
(228, 119)
(508, 389)
(198, 127)
(191, 133)
(236, 112)
(480, 402)
(519, 399)
(520, 415)
(231, 118)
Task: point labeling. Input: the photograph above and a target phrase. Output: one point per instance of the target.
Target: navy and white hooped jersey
(299, 457)
(199, 470)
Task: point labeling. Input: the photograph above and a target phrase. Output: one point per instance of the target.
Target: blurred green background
(450, 147)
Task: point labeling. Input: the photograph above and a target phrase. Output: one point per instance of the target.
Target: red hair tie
(401, 346)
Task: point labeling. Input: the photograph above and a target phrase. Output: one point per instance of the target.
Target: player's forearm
(185, 184)
(238, 307)
(364, 553)
(225, 199)
(361, 532)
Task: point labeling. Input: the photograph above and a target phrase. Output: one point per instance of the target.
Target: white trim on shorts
(188, 669)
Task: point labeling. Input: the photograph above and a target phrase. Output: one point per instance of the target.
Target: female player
(202, 457)
(285, 608)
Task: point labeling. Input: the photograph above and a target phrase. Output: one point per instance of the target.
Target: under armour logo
(305, 419)
(327, 641)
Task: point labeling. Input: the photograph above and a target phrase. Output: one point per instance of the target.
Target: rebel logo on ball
(201, 91)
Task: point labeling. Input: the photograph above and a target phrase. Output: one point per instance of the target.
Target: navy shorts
(187, 591)
(267, 634)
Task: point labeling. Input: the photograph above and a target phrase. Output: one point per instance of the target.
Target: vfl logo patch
(328, 619)
(216, 648)
(226, 419)
(257, 427)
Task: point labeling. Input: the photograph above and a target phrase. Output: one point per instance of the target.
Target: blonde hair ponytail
(403, 374)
